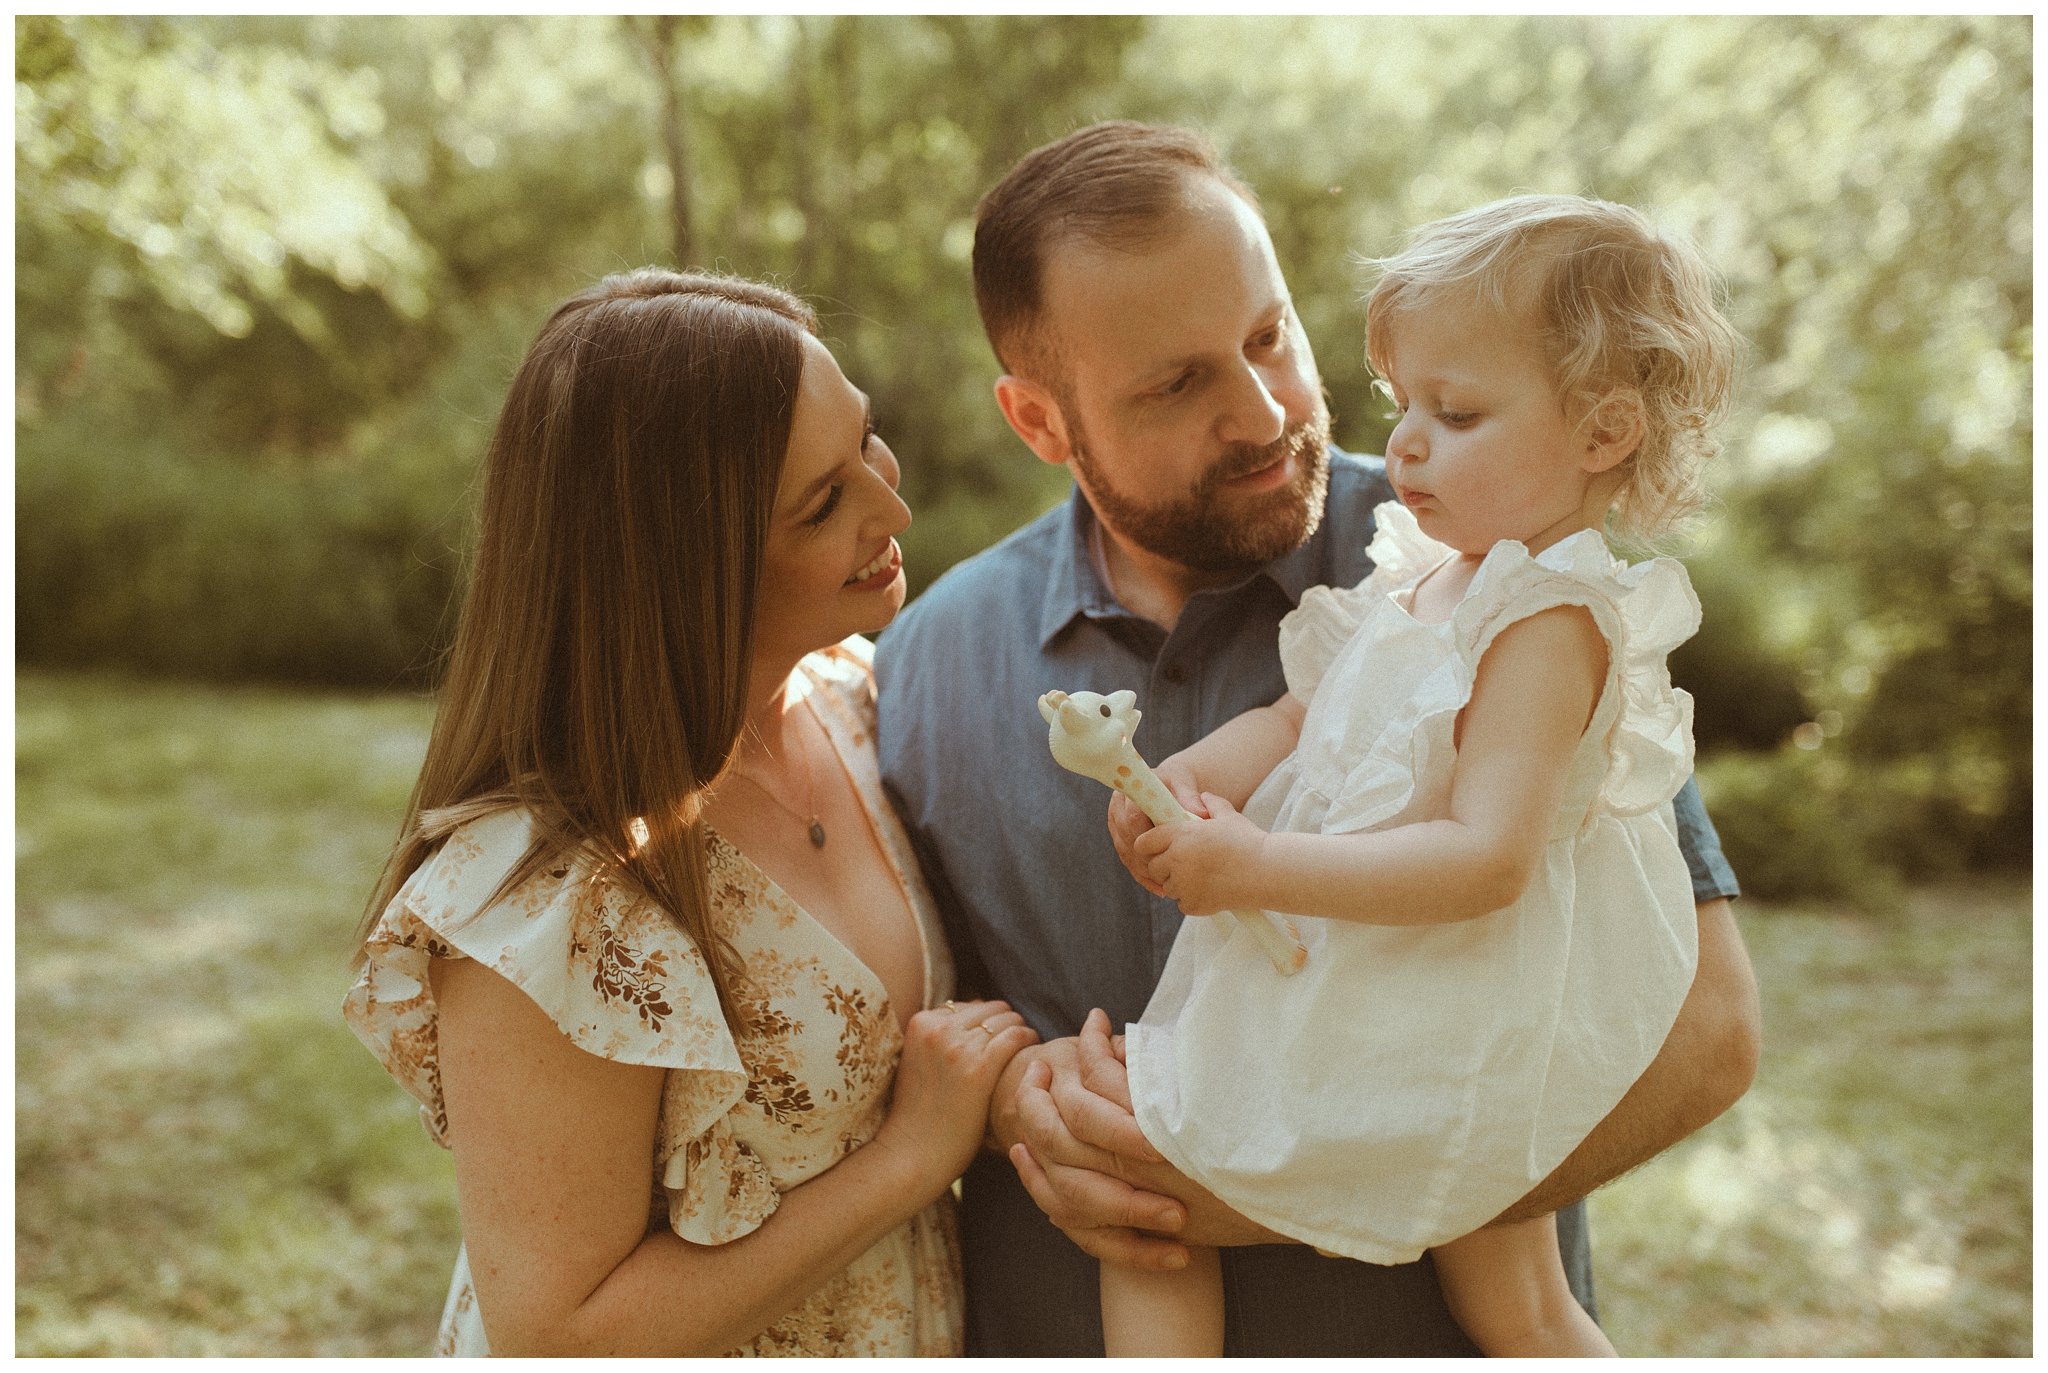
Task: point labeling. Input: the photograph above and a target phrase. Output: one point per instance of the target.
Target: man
(1129, 288)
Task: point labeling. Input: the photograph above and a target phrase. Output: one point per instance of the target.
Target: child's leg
(1179, 1314)
(1506, 1286)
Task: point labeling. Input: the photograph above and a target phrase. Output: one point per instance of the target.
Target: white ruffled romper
(1414, 1081)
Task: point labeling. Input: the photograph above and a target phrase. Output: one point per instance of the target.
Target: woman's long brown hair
(598, 674)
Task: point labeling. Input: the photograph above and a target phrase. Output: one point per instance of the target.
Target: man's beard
(1198, 531)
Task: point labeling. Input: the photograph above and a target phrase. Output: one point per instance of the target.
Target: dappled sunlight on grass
(208, 1163)
(1873, 1193)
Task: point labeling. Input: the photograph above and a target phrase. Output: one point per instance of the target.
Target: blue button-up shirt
(1042, 914)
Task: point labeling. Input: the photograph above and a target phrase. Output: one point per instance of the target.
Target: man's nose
(1256, 415)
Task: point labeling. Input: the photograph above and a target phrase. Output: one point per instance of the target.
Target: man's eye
(1178, 385)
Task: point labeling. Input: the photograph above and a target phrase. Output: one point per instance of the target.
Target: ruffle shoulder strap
(608, 967)
(1316, 630)
(1644, 610)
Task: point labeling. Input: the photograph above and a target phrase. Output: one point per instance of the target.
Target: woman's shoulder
(842, 678)
(848, 664)
(611, 968)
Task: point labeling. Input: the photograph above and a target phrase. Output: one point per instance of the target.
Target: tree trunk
(660, 42)
(804, 136)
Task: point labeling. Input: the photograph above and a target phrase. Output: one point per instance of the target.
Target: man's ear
(1612, 430)
(1035, 415)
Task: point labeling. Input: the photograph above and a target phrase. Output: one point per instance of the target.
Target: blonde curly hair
(1625, 314)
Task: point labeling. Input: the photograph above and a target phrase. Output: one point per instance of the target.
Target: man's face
(1191, 399)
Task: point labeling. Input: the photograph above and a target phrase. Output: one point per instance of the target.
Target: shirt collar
(1075, 587)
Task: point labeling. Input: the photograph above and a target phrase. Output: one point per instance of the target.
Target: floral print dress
(743, 1118)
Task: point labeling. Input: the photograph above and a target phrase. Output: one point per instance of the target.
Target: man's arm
(1089, 1169)
(1707, 1063)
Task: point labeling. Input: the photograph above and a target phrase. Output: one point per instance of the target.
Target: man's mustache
(1243, 459)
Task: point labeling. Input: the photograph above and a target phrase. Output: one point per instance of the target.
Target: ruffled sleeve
(1644, 611)
(613, 973)
(1316, 630)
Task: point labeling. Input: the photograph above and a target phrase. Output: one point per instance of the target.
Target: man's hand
(1066, 1122)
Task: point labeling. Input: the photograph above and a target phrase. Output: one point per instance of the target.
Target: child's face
(1484, 450)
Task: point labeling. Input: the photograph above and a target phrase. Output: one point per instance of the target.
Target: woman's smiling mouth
(881, 568)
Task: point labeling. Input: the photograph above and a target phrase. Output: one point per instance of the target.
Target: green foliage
(156, 559)
(263, 329)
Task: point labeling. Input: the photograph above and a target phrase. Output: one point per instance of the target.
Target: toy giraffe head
(1091, 734)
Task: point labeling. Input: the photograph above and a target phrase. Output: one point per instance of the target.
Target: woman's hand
(952, 1056)
(1127, 821)
(1204, 864)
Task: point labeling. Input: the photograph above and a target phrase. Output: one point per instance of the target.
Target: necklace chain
(816, 827)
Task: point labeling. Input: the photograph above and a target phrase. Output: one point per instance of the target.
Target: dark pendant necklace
(809, 814)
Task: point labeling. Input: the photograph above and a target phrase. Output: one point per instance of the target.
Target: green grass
(1873, 1194)
(207, 1162)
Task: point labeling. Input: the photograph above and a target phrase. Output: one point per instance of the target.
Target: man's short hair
(1111, 185)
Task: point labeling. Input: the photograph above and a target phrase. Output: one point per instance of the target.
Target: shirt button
(1175, 674)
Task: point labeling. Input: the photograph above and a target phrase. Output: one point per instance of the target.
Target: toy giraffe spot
(1123, 772)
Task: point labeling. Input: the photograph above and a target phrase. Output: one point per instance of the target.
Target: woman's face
(832, 566)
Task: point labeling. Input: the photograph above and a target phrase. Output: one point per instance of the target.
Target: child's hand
(1127, 821)
(1203, 864)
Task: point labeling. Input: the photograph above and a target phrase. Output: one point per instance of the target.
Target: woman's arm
(554, 1153)
(1535, 691)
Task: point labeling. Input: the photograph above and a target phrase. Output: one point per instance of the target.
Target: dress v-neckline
(812, 686)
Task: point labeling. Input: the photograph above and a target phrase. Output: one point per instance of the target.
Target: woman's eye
(825, 511)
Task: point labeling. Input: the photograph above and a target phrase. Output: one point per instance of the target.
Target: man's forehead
(1194, 289)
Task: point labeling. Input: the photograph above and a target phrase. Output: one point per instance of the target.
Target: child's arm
(1535, 692)
(1231, 762)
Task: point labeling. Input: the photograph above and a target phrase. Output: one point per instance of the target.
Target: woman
(651, 951)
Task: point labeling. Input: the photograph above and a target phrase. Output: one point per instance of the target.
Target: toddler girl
(1468, 782)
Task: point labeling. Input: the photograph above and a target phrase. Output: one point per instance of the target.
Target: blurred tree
(243, 244)
(182, 199)
(659, 35)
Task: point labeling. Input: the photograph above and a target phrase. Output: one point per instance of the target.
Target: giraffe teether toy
(1091, 735)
